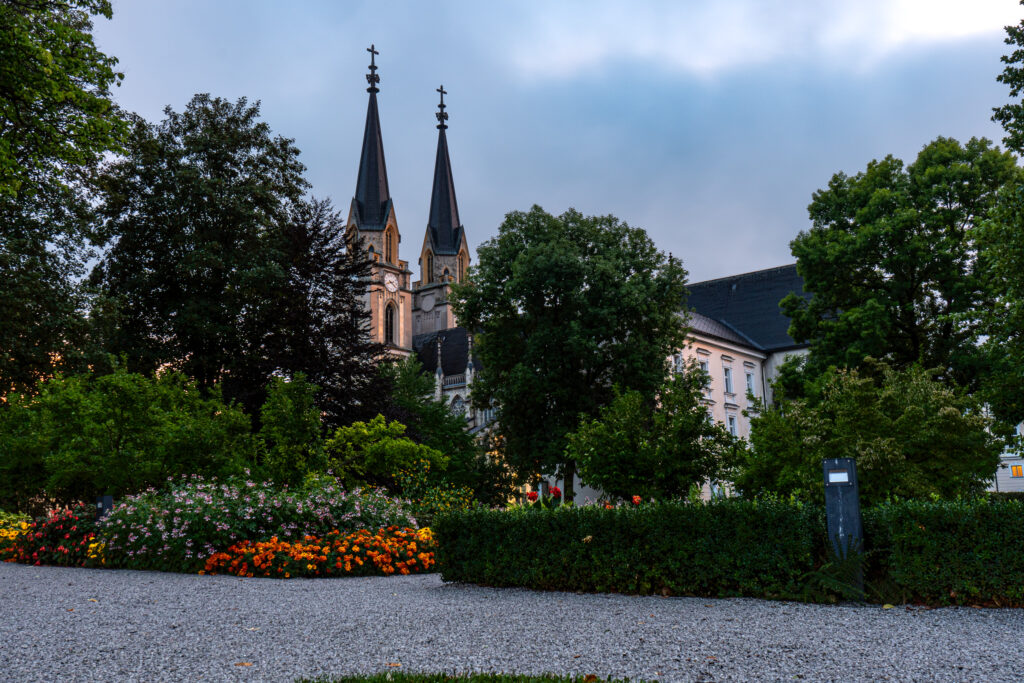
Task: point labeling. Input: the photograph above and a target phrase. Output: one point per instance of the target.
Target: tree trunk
(569, 470)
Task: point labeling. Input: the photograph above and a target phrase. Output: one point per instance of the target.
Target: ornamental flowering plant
(63, 537)
(177, 529)
(359, 553)
(11, 527)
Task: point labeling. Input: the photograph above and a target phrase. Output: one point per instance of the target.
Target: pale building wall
(726, 404)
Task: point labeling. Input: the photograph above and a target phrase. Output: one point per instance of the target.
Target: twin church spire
(400, 308)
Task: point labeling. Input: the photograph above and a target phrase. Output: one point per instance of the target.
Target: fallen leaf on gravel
(93, 600)
(252, 629)
(244, 664)
(576, 656)
(71, 609)
(887, 606)
(394, 664)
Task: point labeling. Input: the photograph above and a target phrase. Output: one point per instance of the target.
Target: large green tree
(654, 447)
(1011, 115)
(910, 434)
(891, 261)
(568, 307)
(194, 211)
(56, 120)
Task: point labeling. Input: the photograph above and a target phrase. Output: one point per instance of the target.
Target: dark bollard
(104, 504)
(842, 506)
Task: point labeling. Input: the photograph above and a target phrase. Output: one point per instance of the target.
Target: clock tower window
(389, 245)
(389, 324)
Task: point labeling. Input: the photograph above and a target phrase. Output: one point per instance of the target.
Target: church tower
(371, 219)
(444, 257)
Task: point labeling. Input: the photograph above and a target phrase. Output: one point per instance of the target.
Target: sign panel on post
(842, 506)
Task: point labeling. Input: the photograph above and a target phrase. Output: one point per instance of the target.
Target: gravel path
(85, 624)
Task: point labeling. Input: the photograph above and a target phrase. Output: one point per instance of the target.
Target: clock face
(427, 303)
(391, 282)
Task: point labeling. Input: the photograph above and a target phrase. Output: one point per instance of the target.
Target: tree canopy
(656, 447)
(891, 261)
(911, 435)
(567, 307)
(56, 120)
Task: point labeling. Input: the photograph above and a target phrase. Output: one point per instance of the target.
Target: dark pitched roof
(444, 227)
(705, 325)
(372, 196)
(454, 350)
(749, 304)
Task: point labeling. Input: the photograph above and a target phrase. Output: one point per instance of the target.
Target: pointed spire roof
(372, 195)
(444, 227)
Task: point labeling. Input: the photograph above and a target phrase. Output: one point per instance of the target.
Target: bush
(178, 529)
(950, 552)
(718, 549)
(116, 434)
(358, 553)
(428, 497)
(65, 537)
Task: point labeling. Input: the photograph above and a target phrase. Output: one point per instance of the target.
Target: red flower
(531, 496)
(556, 492)
(637, 500)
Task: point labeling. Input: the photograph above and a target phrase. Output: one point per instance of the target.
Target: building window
(750, 383)
(458, 405)
(728, 380)
(1016, 471)
(731, 421)
(389, 324)
(429, 275)
(446, 276)
(462, 267)
(389, 245)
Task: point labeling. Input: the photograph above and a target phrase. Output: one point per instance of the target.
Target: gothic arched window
(458, 405)
(446, 276)
(389, 245)
(462, 266)
(428, 276)
(389, 324)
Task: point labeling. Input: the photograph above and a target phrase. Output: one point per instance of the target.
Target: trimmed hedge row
(950, 552)
(732, 548)
(956, 552)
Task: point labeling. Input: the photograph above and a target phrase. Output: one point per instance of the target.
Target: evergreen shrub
(936, 552)
(724, 548)
(949, 552)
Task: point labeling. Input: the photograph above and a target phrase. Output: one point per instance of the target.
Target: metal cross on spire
(441, 115)
(372, 78)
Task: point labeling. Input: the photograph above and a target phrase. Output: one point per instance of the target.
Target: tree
(433, 424)
(568, 307)
(890, 262)
(320, 325)
(291, 431)
(56, 120)
(911, 435)
(654, 448)
(194, 211)
(1011, 115)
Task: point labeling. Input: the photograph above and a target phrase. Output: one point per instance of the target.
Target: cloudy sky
(707, 122)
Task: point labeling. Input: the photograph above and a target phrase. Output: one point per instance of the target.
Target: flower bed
(65, 537)
(360, 553)
(11, 528)
(177, 530)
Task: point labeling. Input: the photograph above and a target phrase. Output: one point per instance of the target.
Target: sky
(709, 123)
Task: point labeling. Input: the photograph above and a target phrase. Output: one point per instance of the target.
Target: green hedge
(728, 548)
(946, 552)
(950, 552)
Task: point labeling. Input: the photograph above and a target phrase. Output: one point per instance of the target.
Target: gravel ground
(59, 624)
